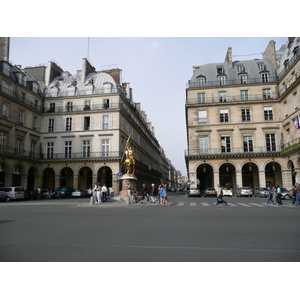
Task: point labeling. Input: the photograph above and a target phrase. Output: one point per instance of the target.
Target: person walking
(274, 192)
(166, 194)
(270, 196)
(98, 189)
(297, 194)
(162, 194)
(294, 193)
(144, 192)
(94, 191)
(104, 193)
(220, 196)
(153, 193)
(111, 194)
(278, 190)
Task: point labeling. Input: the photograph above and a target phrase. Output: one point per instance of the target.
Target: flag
(296, 122)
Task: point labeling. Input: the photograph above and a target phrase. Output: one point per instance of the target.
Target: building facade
(240, 118)
(59, 129)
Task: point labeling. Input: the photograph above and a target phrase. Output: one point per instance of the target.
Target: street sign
(120, 174)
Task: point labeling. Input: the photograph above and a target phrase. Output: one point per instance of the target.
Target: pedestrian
(162, 194)
(274, 192)
(166, 194)
(129, 193)
(38, 193)
(153, 193)
(158, 194)
(144, 192)
(270, 196)
(294, 193)
(111, 194)
(297, 194)
(219, 196)
(98, 189)
(278, 190)
(94, 191)
(104, 193)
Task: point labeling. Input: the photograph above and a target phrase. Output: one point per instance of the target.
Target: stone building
(239, 120)
(59, 129)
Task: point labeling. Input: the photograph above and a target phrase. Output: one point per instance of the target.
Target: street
(188, 230)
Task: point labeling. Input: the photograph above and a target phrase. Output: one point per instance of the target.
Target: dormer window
(201, 81)
(265, 77)
(220, 70)
(222, 79)
(261, 66)
(240, 68)
(243, 79)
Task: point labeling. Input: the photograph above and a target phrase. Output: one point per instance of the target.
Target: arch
(66, 176)
(85, 178)
(205, 176)
(227, 177)
(32, 172)
(3, 168)
(104, 176)
(48, 179)
(17, 175)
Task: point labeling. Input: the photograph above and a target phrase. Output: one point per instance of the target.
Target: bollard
(128, 200)
(92, 200)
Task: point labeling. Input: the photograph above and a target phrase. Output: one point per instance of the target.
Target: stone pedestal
(126, 181)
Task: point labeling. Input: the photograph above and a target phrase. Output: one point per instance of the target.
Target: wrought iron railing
(217, 99)
(229, 151)
(292, 145)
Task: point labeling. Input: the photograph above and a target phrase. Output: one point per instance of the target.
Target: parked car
(64, 191)
(210, 192)
(245, 191)
(11, 193)
(261, 192)
(285, 194)
(227, 191)
(79, 194)
(195, 192)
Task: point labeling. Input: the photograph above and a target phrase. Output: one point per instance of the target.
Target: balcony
(291, 146)
(235, 152)
(20, 98)
(217, 99)
(217, 83)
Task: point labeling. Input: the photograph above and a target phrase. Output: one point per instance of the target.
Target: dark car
(210, 192)
(64, 191)
(261, 192)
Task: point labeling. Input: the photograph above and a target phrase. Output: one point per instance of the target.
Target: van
(11, 193)
(64, 191)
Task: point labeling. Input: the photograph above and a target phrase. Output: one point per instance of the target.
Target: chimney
(4, 48)
(228, 57)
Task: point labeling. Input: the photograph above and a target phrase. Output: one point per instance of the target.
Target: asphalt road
(188, 230)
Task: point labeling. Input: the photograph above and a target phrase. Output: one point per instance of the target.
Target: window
(225, 143)
(68, 124)
(265, 77)
(19, 146)
(201, 97)
(3, 138)
(106, 103)
(87, 123)
(104, 148)
(248, 143)
(261, 66)
(22, 96)
(222, 80)
(68, 149)
(268, 113)
(296, 101)
(220, 70)
(223, 115)
(35, 103)
(87, 105)
(21, 117)
(244, 95)
(51, 107)
(270, 142)
(106, 122)
(243, 79)
(201, 81)
(34, 123)
(246, 115)
(223, 96)
(32, 148)
(202, 115)
(267, 93)
(5, 111)
(286, 111)
(51, 125)
(203, 144)
(50, 147)
(69, 106)
(240, 68)
(86, 148)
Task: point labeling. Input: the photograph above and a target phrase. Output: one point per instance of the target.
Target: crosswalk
(212, 204)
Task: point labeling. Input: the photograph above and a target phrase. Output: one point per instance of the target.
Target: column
(239, 180)
(57, 183)
(193, 180)
(24, 179)
(75, 181)
(216, 179)
(261, 178)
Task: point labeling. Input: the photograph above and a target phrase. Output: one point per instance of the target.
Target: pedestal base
(127, 181)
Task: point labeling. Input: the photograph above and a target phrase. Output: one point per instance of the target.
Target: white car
(227, 191)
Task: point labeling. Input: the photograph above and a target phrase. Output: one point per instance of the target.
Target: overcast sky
(157, 69)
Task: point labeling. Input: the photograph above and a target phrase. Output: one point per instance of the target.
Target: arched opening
(227, 176)
(16, 175)
(273, 174)
(2, 174)
(105, 176)
(85, 178)
(205, 177)
(66, 177)
(250, 175)
(31, 179)
(49, 179)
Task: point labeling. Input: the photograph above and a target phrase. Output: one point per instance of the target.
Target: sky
(157, 68)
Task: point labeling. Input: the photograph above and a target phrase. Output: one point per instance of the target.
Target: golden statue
(129, 160)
